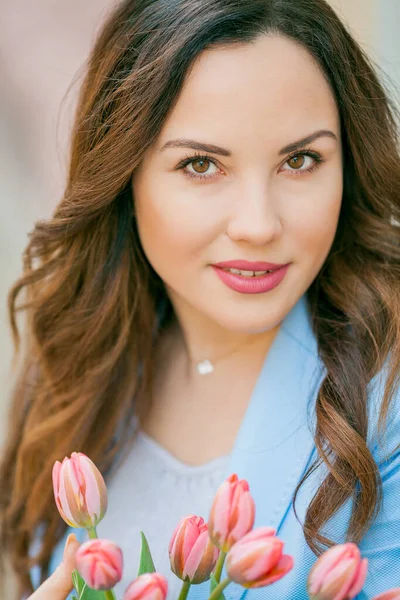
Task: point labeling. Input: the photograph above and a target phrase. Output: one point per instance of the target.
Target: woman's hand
(59, 584)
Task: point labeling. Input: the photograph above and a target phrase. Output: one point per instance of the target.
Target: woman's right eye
(199, 167)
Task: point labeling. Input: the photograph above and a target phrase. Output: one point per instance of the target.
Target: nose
(254, 218)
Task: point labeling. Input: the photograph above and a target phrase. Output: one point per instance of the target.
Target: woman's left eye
(202, 163)
(297, 161)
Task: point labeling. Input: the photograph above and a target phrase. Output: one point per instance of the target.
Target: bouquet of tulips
(197, 550)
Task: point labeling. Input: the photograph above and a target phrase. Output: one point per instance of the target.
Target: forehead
(271, 87)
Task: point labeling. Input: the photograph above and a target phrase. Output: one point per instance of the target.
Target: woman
(216, 141)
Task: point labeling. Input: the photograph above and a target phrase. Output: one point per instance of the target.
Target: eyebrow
(213, 149)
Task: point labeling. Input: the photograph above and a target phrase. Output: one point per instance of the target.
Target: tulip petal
(55, 474)
(192, 533)
(176, 555)
(201, 560)
(359, 581)
(256, 559)
(100, 563)
(266, 561)
(76, 502)
(207, 563)
(195, 555)
(258, 534)
(232, 513)
(93, 488)
(191, 551)
(220, 513)
(251, 542)
(338, 582)
(280, 570)
(56, 488)
(244, 517)
(179, 550)
(250, 561)
(71, 471)
(148, 586)
(67, 498)
(141, 585)
(323, 566)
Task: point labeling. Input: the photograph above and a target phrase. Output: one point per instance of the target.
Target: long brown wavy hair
(91, 297)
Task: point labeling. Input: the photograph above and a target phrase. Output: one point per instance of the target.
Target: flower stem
(92, 533)
(184, 590)
(219, 589)
(219, 565)
(109, 594)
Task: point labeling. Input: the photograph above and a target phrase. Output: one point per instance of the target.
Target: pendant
(204, 367)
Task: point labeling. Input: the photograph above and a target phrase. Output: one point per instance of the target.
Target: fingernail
(70, 539)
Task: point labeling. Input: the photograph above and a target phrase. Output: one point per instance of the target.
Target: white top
(150, 492)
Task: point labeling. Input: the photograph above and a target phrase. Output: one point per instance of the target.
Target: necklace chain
(206, 366)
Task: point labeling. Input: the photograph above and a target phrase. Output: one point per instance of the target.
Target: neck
(199, 338)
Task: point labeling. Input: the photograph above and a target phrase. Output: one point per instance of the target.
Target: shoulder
(387, 444)
(381, 543)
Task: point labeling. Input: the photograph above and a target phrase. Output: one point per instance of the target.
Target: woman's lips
(246, 265)
(251, 285)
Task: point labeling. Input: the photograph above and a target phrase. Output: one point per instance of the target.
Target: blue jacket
(272, 450)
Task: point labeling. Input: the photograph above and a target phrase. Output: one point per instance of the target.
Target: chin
(251, 325)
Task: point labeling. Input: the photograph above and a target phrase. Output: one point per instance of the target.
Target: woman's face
(253, 201)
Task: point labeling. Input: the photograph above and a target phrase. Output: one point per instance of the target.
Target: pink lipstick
(254, 280)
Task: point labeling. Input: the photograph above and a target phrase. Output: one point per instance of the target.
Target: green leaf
(78, 582)
(85, 592)
(89, 594)
(213, 585)
(146, 564)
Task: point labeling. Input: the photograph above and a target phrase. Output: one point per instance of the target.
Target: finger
(59, 584)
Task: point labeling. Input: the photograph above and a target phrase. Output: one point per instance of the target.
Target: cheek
(172, 228)
(314, 226)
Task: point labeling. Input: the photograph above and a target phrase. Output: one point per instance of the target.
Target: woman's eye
(200, 167)
(204, 167)
(301, 162)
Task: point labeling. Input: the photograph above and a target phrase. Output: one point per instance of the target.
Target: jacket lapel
(274, 445)
(275, 442)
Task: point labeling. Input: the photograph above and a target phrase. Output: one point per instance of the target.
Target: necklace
(206, 366)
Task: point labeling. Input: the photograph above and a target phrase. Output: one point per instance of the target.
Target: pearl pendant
(204, 367)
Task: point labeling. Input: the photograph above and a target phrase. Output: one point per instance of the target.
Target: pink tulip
(80, 491)
(232, 513)
(338, 574)
(149, 586)
(100, 563)
(393, 594)
(257, 560)
(192, 554)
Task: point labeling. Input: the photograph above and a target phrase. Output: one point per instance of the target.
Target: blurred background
(43, 47)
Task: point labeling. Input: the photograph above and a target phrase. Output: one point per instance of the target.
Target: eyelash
(186, 161)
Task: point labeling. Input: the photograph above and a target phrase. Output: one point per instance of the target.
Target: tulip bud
(149, 586)
(192, 554)
(232, 513)
(256, 560)
(79, 491)
(100, 563)
(338, 574)
(393, 594)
